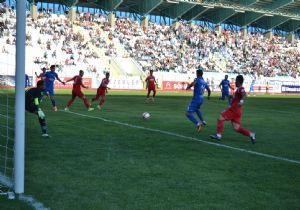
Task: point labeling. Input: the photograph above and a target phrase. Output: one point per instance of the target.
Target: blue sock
(192, 118)
(200, 115)
(53, 102)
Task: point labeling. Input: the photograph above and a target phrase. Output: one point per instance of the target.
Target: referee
(32, 101)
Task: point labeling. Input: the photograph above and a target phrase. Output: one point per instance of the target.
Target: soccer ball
(146, 115)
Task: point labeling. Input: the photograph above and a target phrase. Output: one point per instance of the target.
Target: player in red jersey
(151, 85)
(102, 90)
(234, 113)
(77, 91)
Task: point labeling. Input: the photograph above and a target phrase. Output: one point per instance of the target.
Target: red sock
(243, 131)
(70, 102)
(86, 103)
(220, 126)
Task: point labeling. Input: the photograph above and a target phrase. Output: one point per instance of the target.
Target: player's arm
(69, 80)
(82, 85)
(220, 86)
(38, 76)
(63, 82)
(243, 93)
(147, 83)
(191, 85)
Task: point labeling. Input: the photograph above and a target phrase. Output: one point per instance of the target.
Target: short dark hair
(40, 83)
(81, 71)
(200, 71)
(240, 78)
(107, 74)
(52, 66)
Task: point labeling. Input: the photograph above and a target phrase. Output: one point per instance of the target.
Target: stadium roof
(266, 14)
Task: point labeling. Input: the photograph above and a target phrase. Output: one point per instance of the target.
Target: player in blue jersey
(252, 87)
(199, 86)
(224, 86)
(50, 77)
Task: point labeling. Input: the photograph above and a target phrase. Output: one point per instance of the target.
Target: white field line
(22, 197)
(189, 138)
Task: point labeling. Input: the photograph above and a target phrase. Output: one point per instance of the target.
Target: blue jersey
(199, 86)
(50, 78)
(225, 85)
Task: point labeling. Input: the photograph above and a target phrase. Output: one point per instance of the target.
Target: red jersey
(104, 83)
(151, 82)
(77, 82)
(238, 95)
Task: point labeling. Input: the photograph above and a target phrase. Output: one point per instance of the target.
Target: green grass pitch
(108, 160)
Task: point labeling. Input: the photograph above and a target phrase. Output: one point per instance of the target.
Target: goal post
(19, 156)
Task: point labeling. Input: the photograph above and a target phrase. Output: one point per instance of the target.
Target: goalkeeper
(32, 100)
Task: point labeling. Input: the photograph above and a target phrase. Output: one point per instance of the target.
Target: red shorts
(101, 92)
(77, 93)
(233, 115)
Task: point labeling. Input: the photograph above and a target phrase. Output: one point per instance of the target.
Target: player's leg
(85, 101)
(189, 114)
(154, 94)
(51, 93)
(199, 114)
(103, 98)
(70, 101)
(97, 96)
(237, 127)
(226, 115)
(30, 108)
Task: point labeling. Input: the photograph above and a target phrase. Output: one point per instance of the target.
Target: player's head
(52, 67)
(81, 73)
(199, 72)
(226, 76)
(151, 72)
(40, 84)
(239, 80)
(43, 69)
(107, 75)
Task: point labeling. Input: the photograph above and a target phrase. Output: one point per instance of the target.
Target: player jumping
(50, 77)
(197, 100)
(32, 97)
(151, 86)
(234, 113)
(76, 91)
(102, 90)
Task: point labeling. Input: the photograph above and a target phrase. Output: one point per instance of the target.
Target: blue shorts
(49, 91)
(194, 105)
(224, 94)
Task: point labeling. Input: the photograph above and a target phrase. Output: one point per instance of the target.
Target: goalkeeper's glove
(41, 114)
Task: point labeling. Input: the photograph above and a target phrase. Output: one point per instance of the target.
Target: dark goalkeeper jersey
(30, 95)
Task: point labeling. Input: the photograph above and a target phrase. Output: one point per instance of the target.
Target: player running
(50, 77)
(32, 102)
(224, 86)
(76, 91)
(234, 113)
(197, 100)
(151, 86)
(102, 90)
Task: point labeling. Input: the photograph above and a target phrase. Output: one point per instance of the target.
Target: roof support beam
(247, 18)
(278, 4)
(247, 2)
(220, 15)
(275, 21)
(291, 25)
(194, 13)
(177, 10)
(109, 4)
(146, 7)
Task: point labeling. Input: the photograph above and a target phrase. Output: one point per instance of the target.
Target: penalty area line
(188, 138)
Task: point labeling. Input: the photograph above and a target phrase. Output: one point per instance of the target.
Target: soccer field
(113, 159)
